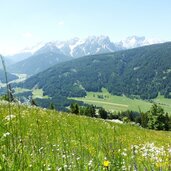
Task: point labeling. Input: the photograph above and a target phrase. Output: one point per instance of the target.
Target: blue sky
(26, 22)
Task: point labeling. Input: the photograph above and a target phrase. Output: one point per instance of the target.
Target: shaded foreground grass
(39, 139)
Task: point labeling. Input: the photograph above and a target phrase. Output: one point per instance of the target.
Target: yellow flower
(158, 165)
(106, 163)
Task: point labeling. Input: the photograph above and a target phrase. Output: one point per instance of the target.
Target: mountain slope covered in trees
(142, 72)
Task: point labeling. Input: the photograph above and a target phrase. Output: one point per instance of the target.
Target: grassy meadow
(121, 103)
(36, 93)
(35, 139)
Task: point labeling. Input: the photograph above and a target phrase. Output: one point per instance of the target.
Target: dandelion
(106, 163)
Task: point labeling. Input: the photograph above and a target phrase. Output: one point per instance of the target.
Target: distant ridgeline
(141, 72)
(10, 76)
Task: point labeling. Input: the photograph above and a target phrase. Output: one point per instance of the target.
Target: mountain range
(140, 72)
(38, 58)
(77, 47)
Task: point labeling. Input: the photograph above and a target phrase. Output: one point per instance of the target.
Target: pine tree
(74, 108)
(103, 113)
(52, 106)
(157, 119)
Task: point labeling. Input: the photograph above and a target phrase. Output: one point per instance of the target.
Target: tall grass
(6, 81)
(9, 128)
(41, 139)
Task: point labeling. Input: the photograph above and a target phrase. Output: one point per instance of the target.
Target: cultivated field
(121, 103)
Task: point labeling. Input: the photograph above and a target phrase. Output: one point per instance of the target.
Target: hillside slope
(141, 72)
(37, 63)
(10, 76)
(39, 139)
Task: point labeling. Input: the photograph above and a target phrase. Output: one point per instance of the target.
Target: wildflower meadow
(35, 139)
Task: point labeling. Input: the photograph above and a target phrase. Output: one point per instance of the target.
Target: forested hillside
(142, 72)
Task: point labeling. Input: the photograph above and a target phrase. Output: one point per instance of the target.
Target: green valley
(122, 103)
(142, 72)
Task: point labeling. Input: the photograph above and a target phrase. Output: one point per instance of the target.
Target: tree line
(155, 118)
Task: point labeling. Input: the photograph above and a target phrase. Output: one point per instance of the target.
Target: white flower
(40, 149)
(49, 168)
(6, 134)
(123, 167)
(78, 158)
(90, 163)
(63, 156)
(145, 154)
(124, 154)
(9, 117)
(124, 149)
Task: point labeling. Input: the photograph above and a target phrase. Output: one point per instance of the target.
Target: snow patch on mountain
(34, 48)
(135, 41)
(74, 45)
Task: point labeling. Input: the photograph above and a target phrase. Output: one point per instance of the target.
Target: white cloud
(27, 35)
(60, 23)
